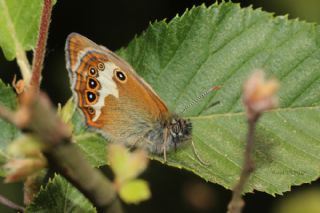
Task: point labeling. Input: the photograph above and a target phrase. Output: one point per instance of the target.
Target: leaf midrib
(283, 109)
(18, 46)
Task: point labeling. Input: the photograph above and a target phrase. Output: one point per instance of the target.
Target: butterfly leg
(164, 145)
(165, 154)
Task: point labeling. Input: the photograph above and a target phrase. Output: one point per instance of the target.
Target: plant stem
(40, 50)
(65, 159)
(4, 201)
(63, 156)
(37, 64)
(236, 204)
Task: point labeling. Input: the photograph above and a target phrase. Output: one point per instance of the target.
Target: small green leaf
(19, 25)
(60, 196)
(118, 158)
(78, 123)
(126, 165)
(93, 146)
(67, 111)
(26, 145)
(8, 132)
(135, 191)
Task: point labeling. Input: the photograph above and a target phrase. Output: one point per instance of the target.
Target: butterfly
(118, 103)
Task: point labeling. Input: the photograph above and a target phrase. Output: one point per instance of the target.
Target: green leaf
(60, 196)
(135, 191)
(27, 145)
(19, 21)
(124, 164)
(93, 146)
(66, 112)
(222, 45)
(19, 25)
(8, 132)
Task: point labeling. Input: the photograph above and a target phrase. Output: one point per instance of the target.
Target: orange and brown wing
(113, 98)
(84, 61)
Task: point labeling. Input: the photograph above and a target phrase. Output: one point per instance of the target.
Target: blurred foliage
(8, 131)
(126, 166)
(306, 10)
(306, 201)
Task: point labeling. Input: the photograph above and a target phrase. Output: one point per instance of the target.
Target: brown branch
(37, 65)
(236, 204)
(63, 156)
(4, 201)
(41, 45)
(91, 182)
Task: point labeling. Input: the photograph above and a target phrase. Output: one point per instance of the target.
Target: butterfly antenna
(197, 99)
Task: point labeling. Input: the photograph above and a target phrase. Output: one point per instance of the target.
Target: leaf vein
(229, 114)
(227, 77)
(237, 99)
(174, 54)
(285, 142)
(237, 165)
(198, 69)
(10, 25)
(297, 96)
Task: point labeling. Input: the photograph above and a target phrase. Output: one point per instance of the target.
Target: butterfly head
(180, 130)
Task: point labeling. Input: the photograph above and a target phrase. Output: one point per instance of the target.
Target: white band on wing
(108, 87)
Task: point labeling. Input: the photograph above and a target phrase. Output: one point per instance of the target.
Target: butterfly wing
(112, 97)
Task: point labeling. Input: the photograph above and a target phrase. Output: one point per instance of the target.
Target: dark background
(114, 24)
